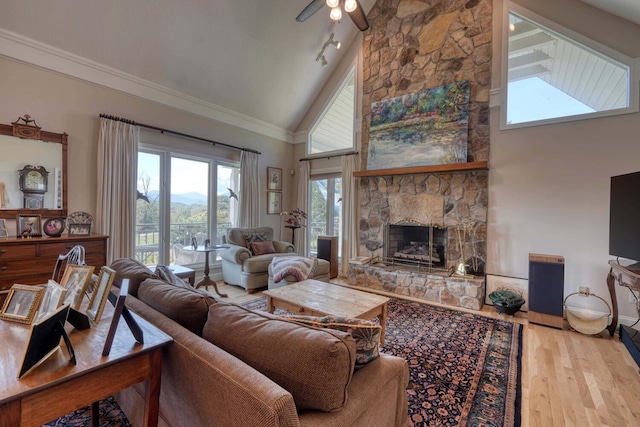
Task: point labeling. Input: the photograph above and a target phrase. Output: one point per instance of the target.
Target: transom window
(553, 77)
(333, 132)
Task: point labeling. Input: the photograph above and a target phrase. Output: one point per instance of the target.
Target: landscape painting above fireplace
(424, 128)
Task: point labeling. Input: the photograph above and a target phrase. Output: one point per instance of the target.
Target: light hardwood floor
(568, 379)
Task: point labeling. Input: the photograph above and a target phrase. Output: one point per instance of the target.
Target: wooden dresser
(31, 261)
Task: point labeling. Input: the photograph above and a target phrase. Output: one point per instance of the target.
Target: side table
(206, 280)
(184, 273)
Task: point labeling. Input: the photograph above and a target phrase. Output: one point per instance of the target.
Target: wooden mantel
(451, 167)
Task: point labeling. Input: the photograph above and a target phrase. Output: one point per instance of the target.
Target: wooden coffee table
(316, 298)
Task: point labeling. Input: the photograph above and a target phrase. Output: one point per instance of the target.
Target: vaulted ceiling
(248, 59)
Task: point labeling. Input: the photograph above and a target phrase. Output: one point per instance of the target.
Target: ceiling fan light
(333, 3)
(336, 14)
(350, 5)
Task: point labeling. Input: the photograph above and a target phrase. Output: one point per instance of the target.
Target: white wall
(63, 104)
(549, 185)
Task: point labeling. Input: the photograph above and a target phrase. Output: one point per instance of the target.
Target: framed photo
(22, 303)
(75, 280)
(53, 227)
(274, 179)
(100, 294)
(4, 234)
(52, 299)
(274, 202)
(79, 229)
(29, 226)
(44, 340)
(514, 284)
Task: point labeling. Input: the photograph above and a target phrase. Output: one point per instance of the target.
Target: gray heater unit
(546, 290)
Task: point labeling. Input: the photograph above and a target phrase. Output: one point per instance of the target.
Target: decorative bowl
(506, 301)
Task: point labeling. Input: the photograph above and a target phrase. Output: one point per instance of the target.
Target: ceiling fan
(352, 7)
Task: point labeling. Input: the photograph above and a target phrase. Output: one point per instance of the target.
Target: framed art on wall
(274, 202)
(274, 179)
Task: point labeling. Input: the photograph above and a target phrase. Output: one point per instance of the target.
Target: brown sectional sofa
(204, 385)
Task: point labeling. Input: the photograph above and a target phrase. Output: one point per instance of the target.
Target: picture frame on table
(75, 280)
(4, 234)
(274, 202)
(28, 226)
(22, 303)
(52, 299)
(79, 229)
(274, 179)
(53, 227)
(100, 294)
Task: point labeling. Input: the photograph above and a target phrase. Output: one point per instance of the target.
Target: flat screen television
(624, 217)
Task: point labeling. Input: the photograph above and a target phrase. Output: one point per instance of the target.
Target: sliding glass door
(181, 198)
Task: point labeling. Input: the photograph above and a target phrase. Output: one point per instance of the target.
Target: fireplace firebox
(416, 244)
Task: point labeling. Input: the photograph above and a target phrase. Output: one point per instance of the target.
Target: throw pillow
(314, 365)
(261, 248)
(250, 237)
(366, 333)
(185, 306)
(165, 273)
(134, 270)
(299, 267)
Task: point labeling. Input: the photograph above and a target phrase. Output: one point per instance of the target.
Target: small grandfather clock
(33, 184)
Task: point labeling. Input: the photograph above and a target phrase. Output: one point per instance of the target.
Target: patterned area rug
(110, 416)
(464, 368)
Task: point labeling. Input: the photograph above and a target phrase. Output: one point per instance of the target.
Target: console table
(630, 279)
(56, 387)
(31, 261)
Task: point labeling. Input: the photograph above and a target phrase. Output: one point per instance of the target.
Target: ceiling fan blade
(359, 18)
(311, 8)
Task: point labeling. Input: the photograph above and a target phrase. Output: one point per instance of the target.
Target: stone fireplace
(412, 46)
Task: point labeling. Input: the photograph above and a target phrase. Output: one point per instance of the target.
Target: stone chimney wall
(415, 45)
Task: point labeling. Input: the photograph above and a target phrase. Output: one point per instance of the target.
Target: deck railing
(147, 242)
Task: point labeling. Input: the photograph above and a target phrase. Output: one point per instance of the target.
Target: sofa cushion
(314, 365)
(165, 273)
(186, 306)
(261, 248)
(365, 332)
(134, 270)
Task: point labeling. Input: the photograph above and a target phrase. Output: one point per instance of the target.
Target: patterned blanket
(300, 267)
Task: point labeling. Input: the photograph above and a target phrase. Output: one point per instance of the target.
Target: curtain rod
(350, 153)
(162, 130)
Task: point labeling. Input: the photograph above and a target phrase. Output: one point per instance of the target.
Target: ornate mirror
(33, 170)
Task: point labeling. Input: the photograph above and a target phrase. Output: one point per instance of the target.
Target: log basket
(583, 324)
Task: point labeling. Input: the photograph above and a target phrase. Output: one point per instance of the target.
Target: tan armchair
(240, 266)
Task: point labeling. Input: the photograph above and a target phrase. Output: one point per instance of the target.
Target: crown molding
(20, 48)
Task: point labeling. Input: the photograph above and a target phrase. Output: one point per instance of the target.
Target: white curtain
(249, 206)
(303, 203)
(349, 242)
(117, 164)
